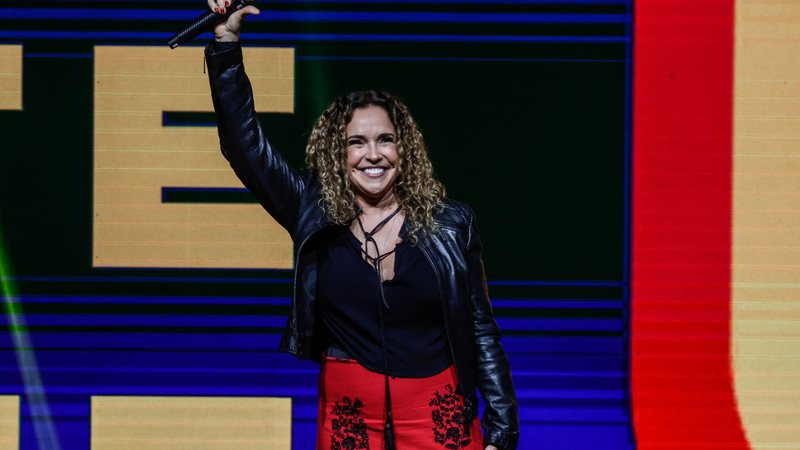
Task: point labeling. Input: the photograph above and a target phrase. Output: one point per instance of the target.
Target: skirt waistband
(337, 353)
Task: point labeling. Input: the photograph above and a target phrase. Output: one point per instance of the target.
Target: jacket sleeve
(262, 170)
(500, 419)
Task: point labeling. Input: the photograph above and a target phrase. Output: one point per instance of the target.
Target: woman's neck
(379, 207)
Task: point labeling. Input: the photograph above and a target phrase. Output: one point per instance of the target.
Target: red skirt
(427, 413)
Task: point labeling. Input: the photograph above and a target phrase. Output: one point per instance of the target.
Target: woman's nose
(372, 153)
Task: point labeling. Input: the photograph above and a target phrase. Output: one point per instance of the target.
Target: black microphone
(206, 21)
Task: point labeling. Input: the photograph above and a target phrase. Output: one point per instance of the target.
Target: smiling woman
(372, 155)
(372, 137)
(390, 293)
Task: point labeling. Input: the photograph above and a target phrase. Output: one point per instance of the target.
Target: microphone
(206, 21)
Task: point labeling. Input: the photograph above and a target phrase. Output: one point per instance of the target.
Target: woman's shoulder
(454, 213)
(311, 181)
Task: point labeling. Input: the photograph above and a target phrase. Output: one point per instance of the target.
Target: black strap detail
(368, 238)
(388, 429)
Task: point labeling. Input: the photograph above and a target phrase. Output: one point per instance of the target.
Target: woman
(390, 293)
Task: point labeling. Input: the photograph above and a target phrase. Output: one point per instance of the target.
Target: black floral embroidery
(450, 420)
(349, 429)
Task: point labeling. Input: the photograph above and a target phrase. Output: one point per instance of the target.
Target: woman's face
(372, 158)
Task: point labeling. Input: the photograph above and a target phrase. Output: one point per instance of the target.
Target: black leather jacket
(454, 253)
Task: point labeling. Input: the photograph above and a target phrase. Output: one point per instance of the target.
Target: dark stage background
(525, 108)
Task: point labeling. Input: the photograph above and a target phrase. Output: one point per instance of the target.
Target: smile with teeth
(373, 171)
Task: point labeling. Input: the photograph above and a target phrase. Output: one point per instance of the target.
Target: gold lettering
(9, 422)
(144, 423)
(11, 77)
(135, 156)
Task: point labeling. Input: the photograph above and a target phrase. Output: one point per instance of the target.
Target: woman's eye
(355, 142)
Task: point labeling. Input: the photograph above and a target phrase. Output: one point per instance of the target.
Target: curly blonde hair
(419, 194)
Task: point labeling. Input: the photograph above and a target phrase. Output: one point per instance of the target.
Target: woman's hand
(229, 30)
(491, 447)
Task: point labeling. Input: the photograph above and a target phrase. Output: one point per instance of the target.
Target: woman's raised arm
(262, 170)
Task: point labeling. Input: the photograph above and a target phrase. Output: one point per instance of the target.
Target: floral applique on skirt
(427, 413)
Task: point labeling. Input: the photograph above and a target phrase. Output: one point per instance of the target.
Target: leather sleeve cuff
(220, 55)
(503, 441)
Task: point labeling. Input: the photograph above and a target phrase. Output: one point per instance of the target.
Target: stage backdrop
(145, 290)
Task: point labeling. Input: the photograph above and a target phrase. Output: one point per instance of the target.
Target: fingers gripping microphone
(205, 22)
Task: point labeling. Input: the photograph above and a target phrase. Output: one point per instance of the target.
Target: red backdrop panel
(682, 386)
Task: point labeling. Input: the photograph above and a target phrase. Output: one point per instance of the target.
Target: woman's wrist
(227, 38)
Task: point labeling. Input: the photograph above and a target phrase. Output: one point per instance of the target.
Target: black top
(351, 308)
